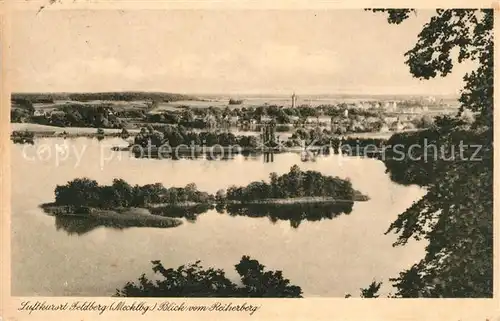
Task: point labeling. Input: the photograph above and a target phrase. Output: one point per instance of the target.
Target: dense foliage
(22, 137)
(195, 281)
(83, 192)
(456, 214)
(295, 183)
(21, 110)
(371, 291)
(177, 135)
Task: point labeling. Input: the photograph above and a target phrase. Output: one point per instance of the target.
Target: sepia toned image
(334, 153)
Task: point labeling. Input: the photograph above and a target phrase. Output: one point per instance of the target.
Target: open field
(59, 130)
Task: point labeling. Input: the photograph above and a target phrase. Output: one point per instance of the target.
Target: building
(234, 119)
(384, 128)
(210, 121)
(431, 99)
(391, 106)
(324, 119)
(397, 126)
(390, 119)
(265, 119)
(294, 100)
(363, 105)
(311, 120)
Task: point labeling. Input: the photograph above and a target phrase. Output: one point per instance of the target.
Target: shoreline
(48, 131)
(143, 213)
(130, 217)
(298, 200)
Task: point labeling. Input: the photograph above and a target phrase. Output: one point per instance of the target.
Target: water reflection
(81, 225)
(89, 259)
(268, 157)
(295, 213)
(189, 213)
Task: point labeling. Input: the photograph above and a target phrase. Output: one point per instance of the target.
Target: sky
(219, 52)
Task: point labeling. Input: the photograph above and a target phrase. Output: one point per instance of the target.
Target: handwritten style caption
(136, 306)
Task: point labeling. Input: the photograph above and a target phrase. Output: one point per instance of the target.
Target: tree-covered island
(296, 186)
(155, 205)
(122, 202)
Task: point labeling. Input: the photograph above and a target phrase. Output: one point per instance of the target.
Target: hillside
(110, 96)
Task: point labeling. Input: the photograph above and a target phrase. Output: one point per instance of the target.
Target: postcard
(223, 160)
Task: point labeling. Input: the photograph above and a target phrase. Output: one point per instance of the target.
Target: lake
(327, 258)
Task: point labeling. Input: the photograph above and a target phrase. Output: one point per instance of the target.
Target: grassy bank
(301, 200)
(54, 131)
(130, 217)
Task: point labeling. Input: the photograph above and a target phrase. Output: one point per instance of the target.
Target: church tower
(294, 100)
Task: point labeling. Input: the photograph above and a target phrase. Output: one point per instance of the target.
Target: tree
(194, 281)
(78, 192)
(157, 138)
(124, 192)
(372, 290)
(220, 196)
(58, 119)
(18, 115)
(456, 213)
(264, 284)
(274, 184)
(425, 121)
(188, 115)
(124, 134)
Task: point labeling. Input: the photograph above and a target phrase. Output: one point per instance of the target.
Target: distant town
(48, 113)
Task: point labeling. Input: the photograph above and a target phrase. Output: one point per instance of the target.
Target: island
(22, 137)
(123, 205)
(294, 187)
(293, 196)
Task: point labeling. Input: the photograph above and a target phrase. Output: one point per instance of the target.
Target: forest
(179, 135)
(87, 193)
(295, 184)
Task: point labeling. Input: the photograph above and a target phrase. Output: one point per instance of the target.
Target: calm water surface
(330, 257)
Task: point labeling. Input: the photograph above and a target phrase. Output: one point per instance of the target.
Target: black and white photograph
(285, 153)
